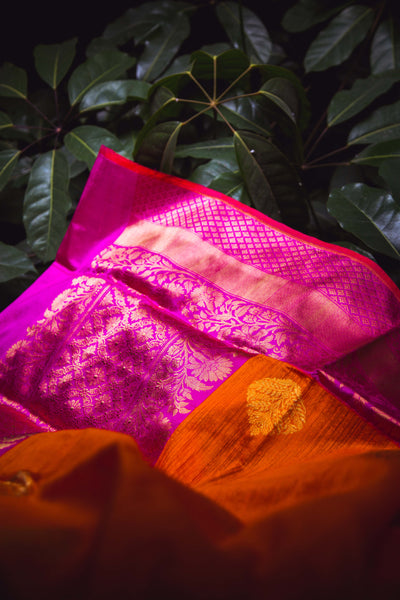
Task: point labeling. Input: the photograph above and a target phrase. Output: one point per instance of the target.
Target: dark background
(22, 26)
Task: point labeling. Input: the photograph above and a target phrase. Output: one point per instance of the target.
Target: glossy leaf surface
(206, 173)
(168, 154)
(347, 103)
(270, 180)
(220, 149)
(385, 47)
(52, 61)
(231, 184)
(390, 170)
(253, 39)
(111, 93)
(13, 262)
(336, 42)
(85, 141)
(161, 46)
(105, 66)
(370, 214)
(307, 13)
(139, 22)
(382, 125)
(160, 139)
(13, 81)
(375, 154)
(8, 160)
(46, 204)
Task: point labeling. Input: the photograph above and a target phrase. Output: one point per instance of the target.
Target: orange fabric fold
(250, 470)
(270, 489)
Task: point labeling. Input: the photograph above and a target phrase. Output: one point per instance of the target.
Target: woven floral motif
(275, 406)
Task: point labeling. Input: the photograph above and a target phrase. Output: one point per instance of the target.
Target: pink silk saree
(162, 289)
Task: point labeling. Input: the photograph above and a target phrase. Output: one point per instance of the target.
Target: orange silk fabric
(270, 489)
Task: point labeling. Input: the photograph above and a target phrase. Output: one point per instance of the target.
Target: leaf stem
(334, 164)
(327, 155)
(196, 115)
(224, 119)
(193, 78)
(22, 127)
(214, 78)
(188, 101)
(38, 110)
(36, 142)
(230, 86)
(317, 141)
(56, 105)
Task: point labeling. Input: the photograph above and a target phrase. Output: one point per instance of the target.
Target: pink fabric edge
(202, 190)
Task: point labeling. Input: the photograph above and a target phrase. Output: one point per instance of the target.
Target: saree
(199, 402)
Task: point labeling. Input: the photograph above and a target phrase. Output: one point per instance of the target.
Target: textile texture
(162, 289)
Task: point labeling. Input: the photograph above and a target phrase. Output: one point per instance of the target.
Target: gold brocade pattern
(105, 355)
(275, 406)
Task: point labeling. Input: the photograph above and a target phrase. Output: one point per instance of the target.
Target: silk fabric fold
(162, 289)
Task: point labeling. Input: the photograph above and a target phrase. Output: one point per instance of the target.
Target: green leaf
(53, 61)
(138, 23)
(111, 93)
(161, 46)
(375, 154)
(231, 184)
(389, 170)
(13, 262)
(281, 93)
(303, 112)
(76, 166)
(8, 160)
(382, 125)
(5, 121)
(13, 81)
(85, 141)
(156, 147)
(220, 69)
(347, 103)
(307, 13)
(253, 38)
(336, 42)
(105, 66)
(164, 105)
(46, 204)
(385, 47)
(168, 154)
(370, 214)
(221, 149)
(271, 182)
(246, 113)
(206, 173)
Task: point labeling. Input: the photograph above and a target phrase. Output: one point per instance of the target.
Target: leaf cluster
(302, 123)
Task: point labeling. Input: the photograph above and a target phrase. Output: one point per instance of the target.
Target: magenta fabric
(162, 288)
